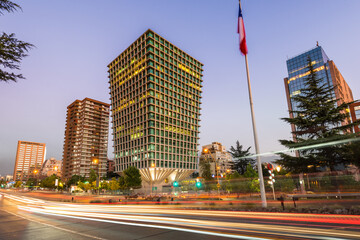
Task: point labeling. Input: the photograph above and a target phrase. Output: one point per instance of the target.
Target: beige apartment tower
(155, 92)
(86, 138)
(29, 158)
(219, 159)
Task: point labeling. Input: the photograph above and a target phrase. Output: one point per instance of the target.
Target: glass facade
(155, 97)
(297, 71)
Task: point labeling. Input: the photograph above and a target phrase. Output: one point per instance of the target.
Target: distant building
(51, 166)
(155, 90)
(86, 138)
(355, 114)
(7, 178)
(29, 159)
(110, 166)
(220, 160)
(325, 69)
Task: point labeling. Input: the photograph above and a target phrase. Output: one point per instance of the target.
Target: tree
(49, 182)
(240, 157)
(352, 153)
(121, 182)
(85, 186)
(252, 179)
(205, 170)
(74, 180)
(17, 184)
(235, 183)
(132, 177)
(114, 185)
(318, 120)
(12, 50)
(31, 182)
(93, 176)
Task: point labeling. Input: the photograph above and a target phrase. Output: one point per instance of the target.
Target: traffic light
(198, 184)
(175, 184)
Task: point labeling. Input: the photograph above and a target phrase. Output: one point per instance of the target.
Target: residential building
(220, 160)
(86, 138)
(7, 178)
(110, 166)
(355, 114)
(29, 158)
(155, 92)
(51, 166)
(325, 69)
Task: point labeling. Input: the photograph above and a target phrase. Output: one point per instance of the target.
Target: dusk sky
(75, 41)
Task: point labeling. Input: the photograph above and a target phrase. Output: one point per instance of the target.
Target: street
(29, 218)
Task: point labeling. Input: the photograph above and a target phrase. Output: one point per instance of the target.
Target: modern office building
(325, 69)
(155, 92)
(29, 158)
(355, 114)
(86, 138)
(220, 160)
(51, 166)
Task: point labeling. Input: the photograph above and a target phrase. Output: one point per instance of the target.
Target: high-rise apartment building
(86, 138)
(325, 69)
(155, 92)
(29, 158)
(219, 159)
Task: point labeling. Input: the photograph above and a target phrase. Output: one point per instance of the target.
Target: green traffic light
(198, 184)
(175, 184)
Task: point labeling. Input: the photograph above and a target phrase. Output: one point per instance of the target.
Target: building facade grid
(155, 93)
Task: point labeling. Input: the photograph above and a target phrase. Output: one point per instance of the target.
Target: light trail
(191, 223)
(217, 223)
(313, 146)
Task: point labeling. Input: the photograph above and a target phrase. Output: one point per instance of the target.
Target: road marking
(304, 233)
(49, 225)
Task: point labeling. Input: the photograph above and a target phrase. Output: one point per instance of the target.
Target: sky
(75, 41)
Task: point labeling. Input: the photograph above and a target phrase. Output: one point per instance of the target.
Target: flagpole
(257, 150)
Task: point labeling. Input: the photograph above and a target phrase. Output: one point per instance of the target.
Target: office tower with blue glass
(155, 90)
(325, 69)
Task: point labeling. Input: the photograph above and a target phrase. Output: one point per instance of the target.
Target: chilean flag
(241, 32)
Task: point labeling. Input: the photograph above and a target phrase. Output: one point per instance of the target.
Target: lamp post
(206, 151)
(152, 180)
(96, 162)
(35, 175)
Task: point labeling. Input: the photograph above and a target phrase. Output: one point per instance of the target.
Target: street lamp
(152, 177)
(36, 172)
(206, 151)
(96, 162)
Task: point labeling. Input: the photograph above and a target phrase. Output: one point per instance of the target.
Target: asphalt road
(26, 218)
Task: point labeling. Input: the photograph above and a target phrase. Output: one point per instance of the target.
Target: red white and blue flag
(241, 32)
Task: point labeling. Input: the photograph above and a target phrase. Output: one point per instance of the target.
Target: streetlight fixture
(206, 151)
(36, 179)
(152, 178)
(96, 162)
